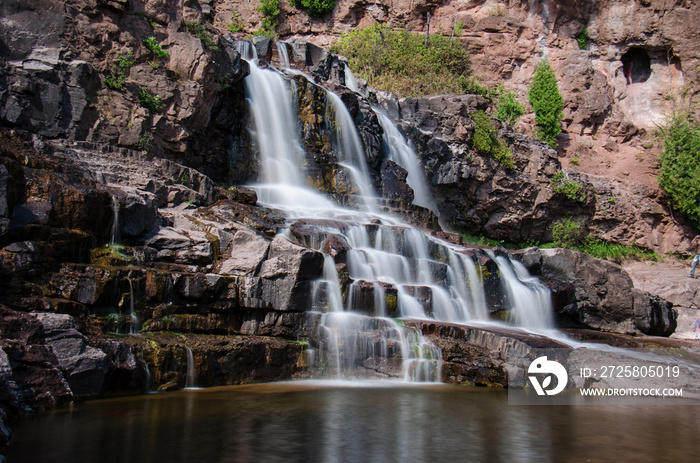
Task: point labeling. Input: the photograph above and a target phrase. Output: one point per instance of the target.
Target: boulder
(603, 296)
(246, 254)
(85, 366)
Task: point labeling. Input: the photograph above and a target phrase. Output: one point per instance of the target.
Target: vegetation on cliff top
(679, 170)
(399, 62)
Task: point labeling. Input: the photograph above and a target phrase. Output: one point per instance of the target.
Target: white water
(395, 271)
(350, 81)
(114, 239)
(351, 154)
(401, 153)
(282, 54)
(190, 381)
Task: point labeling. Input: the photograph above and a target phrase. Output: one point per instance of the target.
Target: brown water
(336, 422)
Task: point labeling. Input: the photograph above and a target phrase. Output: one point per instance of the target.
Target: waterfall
(393, 271)
(402, 154)
(133, 319)
(190, 381)
(282, 54)
(351, 153)
(114, 239)
(350, 81)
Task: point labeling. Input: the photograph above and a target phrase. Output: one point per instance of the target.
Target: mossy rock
(113, 255)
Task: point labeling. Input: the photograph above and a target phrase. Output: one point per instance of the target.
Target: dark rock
(263, 46)
(604, 297)
(85, 366)
(394, 185)
(654, 315)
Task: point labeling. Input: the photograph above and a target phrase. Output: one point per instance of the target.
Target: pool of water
(359, 422)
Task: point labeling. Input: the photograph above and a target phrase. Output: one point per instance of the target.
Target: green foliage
(397, 61)
(125, 61)
(236, 25)
(459, 28)
(509, 109)
(200, 31)
(115, 80)
(116, 77)
(270, 10)
(144, 142)
(315, 7)
(149, 101)
(547, 103)
(470, 85)
(679, 170)
(582, 39)
(561, 184)
(615, 252)
(481, 240)
(485, 140)
(152, 44)
(567, 233)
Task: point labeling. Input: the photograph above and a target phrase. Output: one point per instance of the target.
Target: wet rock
(394, 185)
(36, 372)
(85, 366)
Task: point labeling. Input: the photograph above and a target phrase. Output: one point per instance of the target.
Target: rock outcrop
(597, 294)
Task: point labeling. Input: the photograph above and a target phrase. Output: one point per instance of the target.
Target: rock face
(597, 294)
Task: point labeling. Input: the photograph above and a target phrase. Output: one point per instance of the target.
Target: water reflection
(305, 422)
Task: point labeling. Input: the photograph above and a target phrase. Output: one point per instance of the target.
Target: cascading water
(350, 81)
(393, 270)
(190, 381)
(114, 238)
(351, 155)
(401, 153)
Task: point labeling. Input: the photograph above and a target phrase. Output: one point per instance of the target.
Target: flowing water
(378, 422)
(395, 271)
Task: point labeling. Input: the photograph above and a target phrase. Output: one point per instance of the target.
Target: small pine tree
(547, 103)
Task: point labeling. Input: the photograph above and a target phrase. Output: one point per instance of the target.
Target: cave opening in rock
(636, 65)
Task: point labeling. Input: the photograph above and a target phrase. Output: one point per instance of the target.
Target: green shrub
(144, 142)
(561, 184)
(397, 61)
(116, 77)
(679, 170)
(485, 140)
(200, 31)
(236, 25)
(582, 39)
(115, 80)
(149, 101)
(567, 233)
(509, 109)
(152, 44)
(315, 7)
(270, 10)
(470, 85)
(547, 103)
(125, 61)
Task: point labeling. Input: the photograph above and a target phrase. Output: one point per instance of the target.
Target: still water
(344, 422)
